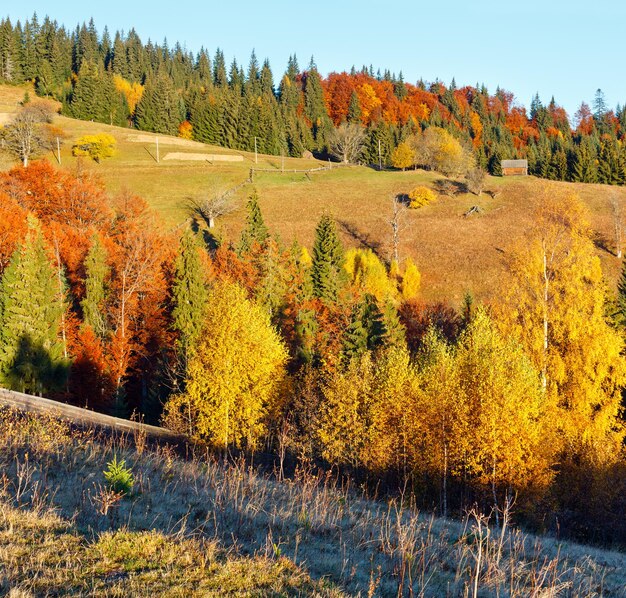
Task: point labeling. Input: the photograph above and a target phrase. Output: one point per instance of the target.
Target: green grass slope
(454, 253)
(200, 527)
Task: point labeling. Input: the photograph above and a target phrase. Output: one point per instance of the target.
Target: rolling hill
(454, 253)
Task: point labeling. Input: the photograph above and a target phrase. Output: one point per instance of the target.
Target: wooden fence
(307, 171)
(83, 417)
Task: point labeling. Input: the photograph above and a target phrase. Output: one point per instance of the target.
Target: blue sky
(563, 48)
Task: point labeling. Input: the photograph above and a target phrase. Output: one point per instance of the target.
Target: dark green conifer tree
(366, 331)
(189, 296)
(327, 260)
(203, 70)
(399, 88)
(584, 168)
(159, 107)
(229, 118)
(255, 231)
(608, 163)
(558, 165)
(206, 120)
(31, 311)
(266, 79)
(395, 333)
(28, 56)
(119, 63)
(236, 78)
(220, 76)
(272, 279)
(315, 108)
(252, 83)
(97, 274)
(354, 109)
(87, 96)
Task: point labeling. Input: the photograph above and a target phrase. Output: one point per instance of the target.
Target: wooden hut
(514, 167)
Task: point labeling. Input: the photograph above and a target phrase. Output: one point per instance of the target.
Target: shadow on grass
(361, 237)
(601, 242)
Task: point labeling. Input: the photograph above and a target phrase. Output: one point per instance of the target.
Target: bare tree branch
(218, 203)
(397, 221)
(346, 142)
(27, 135)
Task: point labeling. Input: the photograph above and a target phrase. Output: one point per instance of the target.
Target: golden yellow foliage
(394, 414)
(394, 270)
(403, 156)
(343, 429)
(421, 196)
(234, 376)
(368, 100)
(368, 274)
(132, 92)
(437, 149)
(305, 258)
(510, 417)
(555, 307)
(411, 280)
(441, 444)
(97, 147)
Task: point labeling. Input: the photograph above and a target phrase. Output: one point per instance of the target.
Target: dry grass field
(205, 527)
(455, 254)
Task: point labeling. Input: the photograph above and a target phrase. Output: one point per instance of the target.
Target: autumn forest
(324, 353)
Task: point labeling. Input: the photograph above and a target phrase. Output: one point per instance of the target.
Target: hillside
(207, 527)
(455, 254)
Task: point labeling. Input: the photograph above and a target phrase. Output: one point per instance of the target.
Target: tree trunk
(546, 296)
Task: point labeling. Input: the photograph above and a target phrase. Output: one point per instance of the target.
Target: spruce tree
(608, 163)
(584, 168)
(97, 273)
(266, 79)
(189, 295)
(255, 230)
(220, 77)
(252, 84)
(395, 332)
(315, 107)
(327, 260)
(87, 100)
(366, 331)
(31, 310)
(272, 279)
(203, 69)
(159, 108)
(229, 119)
(354, 109)
(119, 62)
(289, 91)
(206, 120)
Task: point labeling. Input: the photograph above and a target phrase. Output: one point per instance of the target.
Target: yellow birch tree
(554, 305)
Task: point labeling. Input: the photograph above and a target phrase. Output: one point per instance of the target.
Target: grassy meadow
(454, 253)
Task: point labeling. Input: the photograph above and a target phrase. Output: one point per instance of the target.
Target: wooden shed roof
(514, 163)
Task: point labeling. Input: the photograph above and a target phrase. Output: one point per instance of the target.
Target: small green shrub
(119, 477)
(421, 196)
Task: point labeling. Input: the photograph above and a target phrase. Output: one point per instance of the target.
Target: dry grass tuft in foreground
(202, 527)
